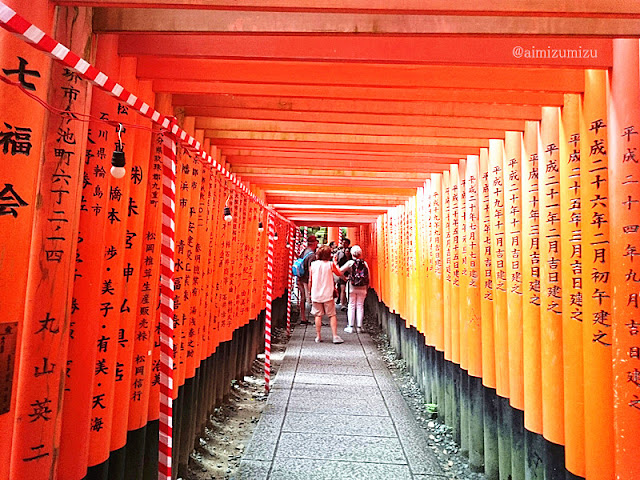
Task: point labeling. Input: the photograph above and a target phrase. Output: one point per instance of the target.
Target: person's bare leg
(319, 325)
(302, 295)
(334, 325)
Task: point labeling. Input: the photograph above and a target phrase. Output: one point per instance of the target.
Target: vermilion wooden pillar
(473, 297)
(513, 263)
(531, 279)
(624, 194)
(596, 268)
(332, 235)
(435, 312)
(454, 221)
(498, 257)
(18, 183)
(572, 274)
(486, 274)
(550, 278)
(447, 242)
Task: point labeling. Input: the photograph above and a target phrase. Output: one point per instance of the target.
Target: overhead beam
(549, 7)
(332, 220)
(235, 125)
(362, 48)
(336, 171)
(599, 24)
(335, 199)
(288, 103)
(335, 155)
(300, 143)
(350, 138)
(261, 179)
(353, 118)
(290, 73)
(381, 190)
(432, 94)
(372, 165)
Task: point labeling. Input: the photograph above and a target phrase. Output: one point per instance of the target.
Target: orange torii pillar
(534, 442)
(352, 235)
(332, 235)
(551, 291)
(491, 457)
(624, 192)
(513, 265)
(500, 314)
(474, 314)
(596, 267)
(571, 263)
(24, 122)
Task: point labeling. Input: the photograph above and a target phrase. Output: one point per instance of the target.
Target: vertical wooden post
(447, 277)
(436, 300)
(596, 279)
(454, 219)
(498, 255)
(624, 192)
(571, 260)
(513, 250)
(551, 278)
(531, 280)
(486, 274)
(25, 125)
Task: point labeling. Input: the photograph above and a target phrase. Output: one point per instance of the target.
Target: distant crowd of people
(332, 276)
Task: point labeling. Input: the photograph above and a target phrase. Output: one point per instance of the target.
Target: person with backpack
(301, 271)
(358, 271)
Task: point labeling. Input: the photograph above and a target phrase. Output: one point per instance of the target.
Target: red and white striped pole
(340, 237)
(306, 235)
(291, 244)
(167, 259)
(267, 322)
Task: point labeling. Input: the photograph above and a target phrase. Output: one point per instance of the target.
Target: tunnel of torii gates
(484, 154)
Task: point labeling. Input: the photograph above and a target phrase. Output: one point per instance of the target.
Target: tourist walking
(358, 285)
(321, 286)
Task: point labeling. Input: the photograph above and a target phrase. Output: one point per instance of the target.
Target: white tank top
(321, 281)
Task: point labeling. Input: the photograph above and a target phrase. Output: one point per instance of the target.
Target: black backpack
(359, 274)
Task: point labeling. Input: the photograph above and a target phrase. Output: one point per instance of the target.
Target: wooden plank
(440, 50)
(549, 7)
(380, 107)
(367, 93)
(354, 74)
(353, 118)
(197, 20)
(234, 125)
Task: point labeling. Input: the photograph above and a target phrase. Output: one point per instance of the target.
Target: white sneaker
(337, 339)
(359, 329)
(348, 329)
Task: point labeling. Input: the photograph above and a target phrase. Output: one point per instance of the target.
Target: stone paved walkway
(334, 412)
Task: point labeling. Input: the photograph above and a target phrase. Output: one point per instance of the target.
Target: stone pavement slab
(335, 412)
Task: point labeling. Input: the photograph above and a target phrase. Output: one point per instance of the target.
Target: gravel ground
(439, 435)
(231, 425)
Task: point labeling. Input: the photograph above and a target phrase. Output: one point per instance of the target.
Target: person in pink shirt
(321, 287)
